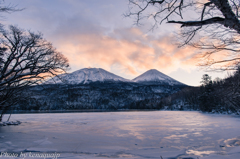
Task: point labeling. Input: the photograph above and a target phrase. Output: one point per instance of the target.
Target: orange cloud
(133, 52)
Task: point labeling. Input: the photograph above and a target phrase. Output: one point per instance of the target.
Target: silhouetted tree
(215, 27)
(25, 59)
(206, 99)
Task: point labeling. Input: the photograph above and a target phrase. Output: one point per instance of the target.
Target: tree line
(219, 95)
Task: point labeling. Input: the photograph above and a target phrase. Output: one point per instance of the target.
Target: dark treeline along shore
(107, 95)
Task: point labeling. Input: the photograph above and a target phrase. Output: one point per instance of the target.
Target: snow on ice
(140, 134)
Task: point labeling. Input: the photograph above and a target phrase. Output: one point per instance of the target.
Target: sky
(94, 33)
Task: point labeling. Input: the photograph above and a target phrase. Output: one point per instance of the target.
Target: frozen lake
(143, 134)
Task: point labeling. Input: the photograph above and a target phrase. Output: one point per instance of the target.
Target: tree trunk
(4, 110)
(10, 115)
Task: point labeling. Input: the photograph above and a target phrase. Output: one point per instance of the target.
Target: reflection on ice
(197, 134)
(232, 142)
(150, 134)
(43, 142)
(199, 153)
(176, 136)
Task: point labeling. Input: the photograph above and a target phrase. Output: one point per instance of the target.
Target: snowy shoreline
(78, 111)
(10, 123)
(111, 110)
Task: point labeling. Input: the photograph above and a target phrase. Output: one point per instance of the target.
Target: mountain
(85, 76)
(89, 75)
(154, 76)
(90, 89)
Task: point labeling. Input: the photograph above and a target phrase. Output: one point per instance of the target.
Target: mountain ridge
(89, 75)
(85, 76)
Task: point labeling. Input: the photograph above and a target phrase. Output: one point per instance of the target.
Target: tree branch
(214, 20)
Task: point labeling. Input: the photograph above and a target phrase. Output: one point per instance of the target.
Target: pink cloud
(132, 52)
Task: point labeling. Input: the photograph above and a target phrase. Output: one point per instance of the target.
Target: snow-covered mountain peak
(156, 76)
(86, 75)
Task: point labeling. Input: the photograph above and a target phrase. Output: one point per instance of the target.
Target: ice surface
(143, 134)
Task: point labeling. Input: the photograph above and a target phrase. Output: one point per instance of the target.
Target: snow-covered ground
(144, 134)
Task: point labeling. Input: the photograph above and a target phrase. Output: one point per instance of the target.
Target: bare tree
(215, 29)
(25, 59)
(9, 8)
